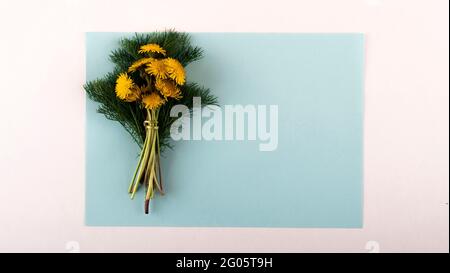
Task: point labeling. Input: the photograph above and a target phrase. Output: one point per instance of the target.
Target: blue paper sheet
(313, 178)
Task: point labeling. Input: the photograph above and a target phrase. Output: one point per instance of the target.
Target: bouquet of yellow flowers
(149, 78)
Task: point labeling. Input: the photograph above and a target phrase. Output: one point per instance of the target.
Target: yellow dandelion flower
(175, 70)
(126, 89)
(157, 68)
(153, 101)
(168, 89)
(137, 64)
(155, 48)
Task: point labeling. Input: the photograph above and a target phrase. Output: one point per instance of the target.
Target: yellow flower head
(168, 89)
(175, 70)
(157, 68)
(126, 89)
(153, 101)
(137, 64)
(155, 48)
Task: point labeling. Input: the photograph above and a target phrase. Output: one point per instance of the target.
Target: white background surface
(42, 122)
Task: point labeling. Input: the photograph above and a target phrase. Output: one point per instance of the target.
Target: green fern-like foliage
(131, 115)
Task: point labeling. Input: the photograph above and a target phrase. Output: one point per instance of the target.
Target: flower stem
(160, 184)
(138, 166)
(151, 164)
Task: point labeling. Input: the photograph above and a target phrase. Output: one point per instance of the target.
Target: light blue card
(313, 179)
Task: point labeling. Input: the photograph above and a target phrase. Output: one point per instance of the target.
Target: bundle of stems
(148, 170)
